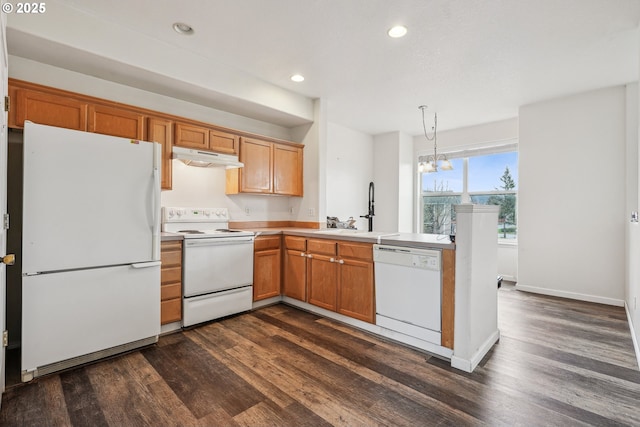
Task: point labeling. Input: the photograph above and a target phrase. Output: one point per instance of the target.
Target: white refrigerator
(90, 247)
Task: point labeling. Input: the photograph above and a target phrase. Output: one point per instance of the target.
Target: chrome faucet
(371, 213)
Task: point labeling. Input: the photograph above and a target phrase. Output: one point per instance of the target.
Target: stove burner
(191, 232)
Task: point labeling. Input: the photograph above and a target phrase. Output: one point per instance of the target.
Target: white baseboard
(468, 365)
(636, 347)
(571, 295)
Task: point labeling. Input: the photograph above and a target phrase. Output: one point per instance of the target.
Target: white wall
(313, 206)
(393, 178)
(572, 196)
(348, 173)
(632, 282)
(37, 72)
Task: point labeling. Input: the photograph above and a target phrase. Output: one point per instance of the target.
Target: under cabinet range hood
(205, 159)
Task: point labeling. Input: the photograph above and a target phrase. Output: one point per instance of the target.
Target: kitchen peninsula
(469, 291)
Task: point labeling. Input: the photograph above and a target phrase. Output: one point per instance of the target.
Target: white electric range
(217, 263)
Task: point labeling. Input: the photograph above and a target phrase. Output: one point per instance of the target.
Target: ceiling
(471, 62)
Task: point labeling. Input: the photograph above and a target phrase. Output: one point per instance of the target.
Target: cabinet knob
(303, 254)
(9, 259)
(309, 256)
(341, 261)
(332, 260)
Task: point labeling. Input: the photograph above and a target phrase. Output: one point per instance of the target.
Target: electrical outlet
(291, 210)
(247, 211)
(312, 212)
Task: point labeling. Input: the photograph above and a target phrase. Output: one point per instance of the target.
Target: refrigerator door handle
(156, 201)
(146, 264)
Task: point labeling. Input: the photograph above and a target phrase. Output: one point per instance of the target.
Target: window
(485, 177)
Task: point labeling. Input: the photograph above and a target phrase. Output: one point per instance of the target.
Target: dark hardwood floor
(559, 362)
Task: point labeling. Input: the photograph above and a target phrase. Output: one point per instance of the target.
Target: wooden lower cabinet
(171, 282)
(295, 268)
(322, 276)
(322, 273)
(335, 275)
(356, 290)
(266, 267)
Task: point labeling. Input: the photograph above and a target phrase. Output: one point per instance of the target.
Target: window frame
(506, 146)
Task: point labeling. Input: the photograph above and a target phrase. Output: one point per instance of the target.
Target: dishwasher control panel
(426, 259)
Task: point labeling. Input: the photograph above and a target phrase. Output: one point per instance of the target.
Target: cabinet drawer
(363, 251)
(171, 311)
(171, 291)
(170, 275)
(170, 258)
(326, 247)
(296, 243)
(266, 242)
(171, 245)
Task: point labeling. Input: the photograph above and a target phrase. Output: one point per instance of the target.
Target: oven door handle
(220, 241)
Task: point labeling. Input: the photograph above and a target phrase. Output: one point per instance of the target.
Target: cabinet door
(256, 175)
(356, 289)
(192, 136)
(266, 274)
(160, 130)
(116, 122)
(295, 275)
(52, 110)
(223, 142)
(287, 170)
(322, 281)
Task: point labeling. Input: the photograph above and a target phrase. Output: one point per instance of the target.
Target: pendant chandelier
(430, 163)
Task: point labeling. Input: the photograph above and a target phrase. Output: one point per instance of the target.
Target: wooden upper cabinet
(160, 130)
(50, 109)
(256, 175)
(116, 122)
(203, 138)
(223, 142)
(189, 136)
(269, 168)
(287, 170)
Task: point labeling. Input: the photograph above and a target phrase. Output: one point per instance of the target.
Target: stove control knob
(171, 213)
(207, 212)
(223, 214)
(218, 212)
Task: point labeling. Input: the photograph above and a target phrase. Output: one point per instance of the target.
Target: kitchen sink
(341, 231)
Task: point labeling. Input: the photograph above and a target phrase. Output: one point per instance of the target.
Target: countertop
(410, 240)
(166, 236)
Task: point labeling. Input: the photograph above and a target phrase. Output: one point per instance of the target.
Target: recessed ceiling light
(297, 78)
(397, 31)
(182, 28)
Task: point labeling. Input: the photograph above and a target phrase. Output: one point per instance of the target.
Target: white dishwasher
(409, 291)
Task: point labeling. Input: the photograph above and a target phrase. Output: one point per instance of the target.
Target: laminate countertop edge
(408, 240)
